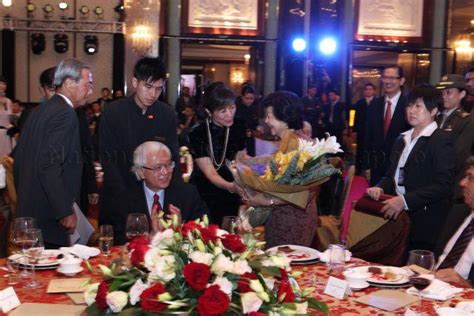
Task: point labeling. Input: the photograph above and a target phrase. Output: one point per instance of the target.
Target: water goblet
(34, 250)
(106, 239)
(18, 238)
(137, 225)
(424, 259)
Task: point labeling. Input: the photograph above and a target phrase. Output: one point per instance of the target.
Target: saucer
(70, 273)
(360, 287)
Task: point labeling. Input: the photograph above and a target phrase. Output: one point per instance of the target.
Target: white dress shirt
(394, 101)
(467, 259)
(149, 197)
(66, 99)
(409, 144)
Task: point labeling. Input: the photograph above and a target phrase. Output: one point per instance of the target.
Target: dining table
(308, 276)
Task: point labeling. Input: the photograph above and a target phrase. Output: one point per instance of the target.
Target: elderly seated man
(152, 165)
(456, 260)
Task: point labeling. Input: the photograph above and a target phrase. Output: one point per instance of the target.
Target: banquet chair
(329, 226)
(11, 199)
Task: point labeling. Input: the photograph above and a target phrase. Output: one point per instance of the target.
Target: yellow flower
(268, 175)
(302, 160)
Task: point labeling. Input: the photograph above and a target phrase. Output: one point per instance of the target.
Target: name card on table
(8, 300)
(67, 285)
(337, 288)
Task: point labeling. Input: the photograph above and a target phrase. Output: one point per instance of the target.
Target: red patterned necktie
(156, 205)
(459, 247)
(388, 118)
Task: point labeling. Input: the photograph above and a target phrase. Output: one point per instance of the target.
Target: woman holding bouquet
(287, 223)
(217, 139)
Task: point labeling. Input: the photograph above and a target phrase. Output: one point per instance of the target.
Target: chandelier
(142, 35)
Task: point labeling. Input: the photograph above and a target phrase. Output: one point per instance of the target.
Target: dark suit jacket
(48, 168)
(182, 195)
(429, 175)
(378, 148)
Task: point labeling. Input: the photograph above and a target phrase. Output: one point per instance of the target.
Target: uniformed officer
(456, 121)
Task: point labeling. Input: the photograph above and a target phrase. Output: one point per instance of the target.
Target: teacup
(357, 278)
(70, 265)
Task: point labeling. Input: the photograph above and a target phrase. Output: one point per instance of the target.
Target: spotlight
(328, 46)
(63, 5)
(91, 44)
(61, 43)
(38, 43)
(48, 11)
(120, 10)
(99, 12)
(7, 3)
(299, 44)
(84, 11)
(30, 8)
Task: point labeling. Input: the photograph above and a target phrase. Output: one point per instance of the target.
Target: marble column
(270, 60)
(173, 51)
(438, 42)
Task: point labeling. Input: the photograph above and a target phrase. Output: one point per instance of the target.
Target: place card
(8, 299)
(73, 285)
(388, 300)
(77, 298)
(337, 288)
(40, 309)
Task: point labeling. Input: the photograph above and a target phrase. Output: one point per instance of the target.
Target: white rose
(250, 302)
(90, 293)
(201, 257)
(163, 239)
(225, 285)
(117, 301)
(240, 267)
(163, 269)
(269, 282)
(221, 265)
(136, 290)
(276, 260)
(151, 258)
(301, 308)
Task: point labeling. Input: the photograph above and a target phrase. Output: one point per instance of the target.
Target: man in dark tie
(385, 121)
(335, 114)
(456, 260)
(153, 166)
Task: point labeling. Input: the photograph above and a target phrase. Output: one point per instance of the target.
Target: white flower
(225, 285)
(117, 301)
(240, 267)
(136, 290)
(269, 282)
(201, 257)
(320, 147)
(151, 258)
(250, 302)
(301, 308)
(163, 269)
(163, 239)
(258, 288)
(90, 293)
(277, 260)
(221, 265)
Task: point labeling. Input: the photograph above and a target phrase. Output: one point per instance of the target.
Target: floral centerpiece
(199, 269)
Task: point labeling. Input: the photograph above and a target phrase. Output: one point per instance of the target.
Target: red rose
(189, 226)
(244, 282)
(138, 248)
(149, 298)
(285, 288)
(209, 233)
(234, 243)
(101, 296)
(212, 302)
(136, 242)
(197, 275)
(256, 314)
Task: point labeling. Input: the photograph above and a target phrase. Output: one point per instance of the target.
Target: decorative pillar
(438, 42)
(271, 34)
(345, 47)
(173, 51)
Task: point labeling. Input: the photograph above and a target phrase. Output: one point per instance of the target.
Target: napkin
(437, 290)
(467, 306)
(81, 251)
(324, 256)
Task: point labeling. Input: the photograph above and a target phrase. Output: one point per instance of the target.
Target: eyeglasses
(161, 168)
(383, 78)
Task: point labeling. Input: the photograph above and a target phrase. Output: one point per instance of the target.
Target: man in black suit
(360, 120)
(157, 192)
(125, 124)
(457, 257)
(335, 116)
(385, 121)
(48, 159)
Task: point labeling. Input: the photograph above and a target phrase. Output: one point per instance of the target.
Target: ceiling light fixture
(91, 44)
(61, 43)
(38, 43)
(99, 12)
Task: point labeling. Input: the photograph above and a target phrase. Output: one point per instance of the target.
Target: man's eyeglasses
(161, 168)
(389, 78)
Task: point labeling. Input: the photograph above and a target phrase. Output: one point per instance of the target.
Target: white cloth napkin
(437, 290)
(467, 306)
(324, 256)
(81, 251)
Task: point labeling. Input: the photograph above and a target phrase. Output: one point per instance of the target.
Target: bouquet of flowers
(199, 269)
(292, 172)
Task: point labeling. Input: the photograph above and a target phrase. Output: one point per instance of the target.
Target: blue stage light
(328, 46)
(299, 44)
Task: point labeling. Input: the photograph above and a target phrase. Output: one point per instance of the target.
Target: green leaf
(115, 285)
(319, 306)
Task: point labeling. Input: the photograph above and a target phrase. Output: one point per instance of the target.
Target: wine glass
(231, 224)
(34, 250)
(18, 238)
(106, 239)
(426, 260)
(137, 225)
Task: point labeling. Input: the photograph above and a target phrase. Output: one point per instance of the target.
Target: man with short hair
(385, 121)
(360, 120)
(335, 116)
(457, 258)
(48, 160)
(125, 124)
(157, 191)
(469, 101)
(46, 83)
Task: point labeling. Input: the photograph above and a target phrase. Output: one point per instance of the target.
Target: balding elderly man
(153, 166)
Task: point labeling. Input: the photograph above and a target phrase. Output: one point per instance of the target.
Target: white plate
(70, 273)
(360, 287)
(297, 254)
(81, 251)
(377, 279)
(48, 259)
